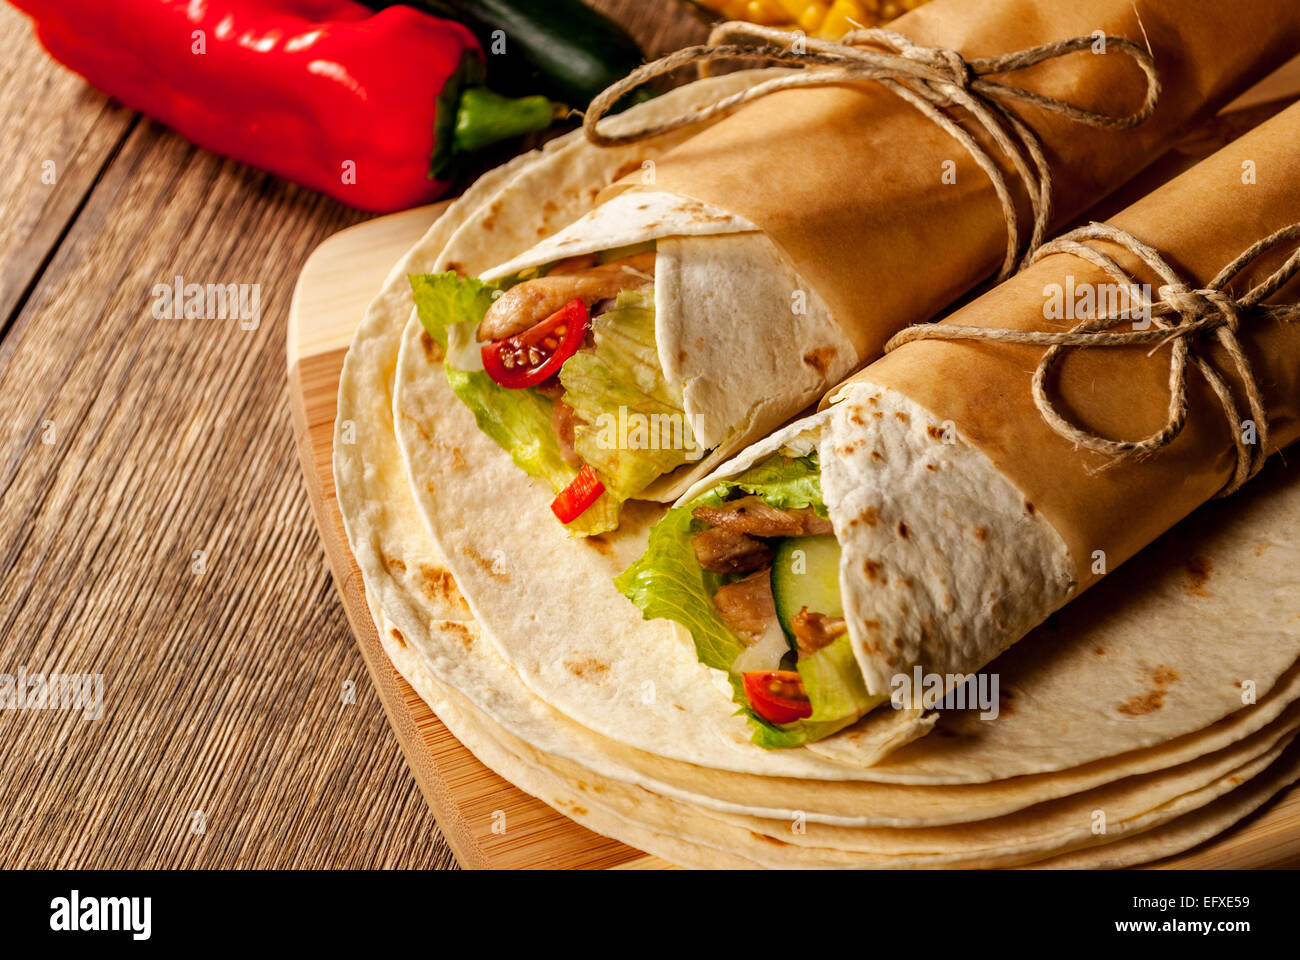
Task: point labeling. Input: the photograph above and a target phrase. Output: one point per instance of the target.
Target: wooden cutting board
(337, 282)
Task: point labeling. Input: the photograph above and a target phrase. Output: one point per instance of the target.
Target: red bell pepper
(370, 108)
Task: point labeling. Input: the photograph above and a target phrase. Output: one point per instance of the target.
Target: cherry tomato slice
(528, 358)
(777, 695)
(574, 499)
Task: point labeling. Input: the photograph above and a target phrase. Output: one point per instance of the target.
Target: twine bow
(1206, 314)
(928, 78)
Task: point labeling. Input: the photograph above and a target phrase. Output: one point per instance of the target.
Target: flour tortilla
(691, 837)
(592, 659)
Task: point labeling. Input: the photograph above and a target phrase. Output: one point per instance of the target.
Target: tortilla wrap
(765, 298)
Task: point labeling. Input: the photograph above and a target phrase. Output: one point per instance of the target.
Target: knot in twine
(1209, 314)
(928, 78)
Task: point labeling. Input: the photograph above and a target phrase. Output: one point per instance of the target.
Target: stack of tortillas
(1134, 725)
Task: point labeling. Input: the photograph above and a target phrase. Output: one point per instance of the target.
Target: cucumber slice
(806, 573)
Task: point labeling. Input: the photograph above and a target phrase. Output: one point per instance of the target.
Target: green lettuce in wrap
(751, 570)
(593, 411)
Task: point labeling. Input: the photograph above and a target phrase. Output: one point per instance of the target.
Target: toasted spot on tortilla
(456, 268)
(820, 359)
(461, 632)
(599, 544)
(849, 449)
(771, 840)
(855, 419)
(878, 415)
(869, 516)
(1261, 547)
(1161, 677)
(438, 584)
(931, 466)
(875, 455)
(433, 352)
(393, 564)
(585, 666)
(1198, 571)
(872, 569)
(579, 811)
(935, 433)
(902, 529)
(902, 417)
(397, 635)
(487, 565)
(1099, 651)
(1029, 508)
(981, 533)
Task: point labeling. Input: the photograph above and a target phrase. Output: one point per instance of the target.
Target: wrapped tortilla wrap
(730, 282)
(961, 518)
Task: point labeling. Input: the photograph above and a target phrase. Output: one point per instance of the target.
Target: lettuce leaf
(667, 582)
(635, 430)
(518, 421)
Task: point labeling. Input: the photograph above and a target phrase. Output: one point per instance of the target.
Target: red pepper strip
(528, 358)
(777, 695)
(574, 499)
(325, 93)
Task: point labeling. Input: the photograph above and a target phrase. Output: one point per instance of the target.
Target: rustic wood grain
(223, 689)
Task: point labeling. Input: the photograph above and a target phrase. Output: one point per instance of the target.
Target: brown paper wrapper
(847, 179)
(1200, 222)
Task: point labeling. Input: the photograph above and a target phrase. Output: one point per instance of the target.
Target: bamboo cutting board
(336, 284)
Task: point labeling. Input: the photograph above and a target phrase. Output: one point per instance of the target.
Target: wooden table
(154, 528)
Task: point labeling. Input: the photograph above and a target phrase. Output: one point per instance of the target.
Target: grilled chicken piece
(529, 303)
(750, 515)
(725, 551)
(746, 606)
(812, 631)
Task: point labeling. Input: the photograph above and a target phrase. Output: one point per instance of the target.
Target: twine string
(928, 78)
(1186, 318)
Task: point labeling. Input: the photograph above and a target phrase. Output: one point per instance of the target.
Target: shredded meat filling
(750, 515)
(529, 303)
(746, 606)
(812, 631)
(725, 551)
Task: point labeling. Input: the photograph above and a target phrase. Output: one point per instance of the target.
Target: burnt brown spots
(869, 516)
(433, 352)
(878, 415)
(1198, 575)
(872, 569)
(439, 584)
(900, 416)
(1029, 508)
(875, 455)
(1260, 548)
(586, 667)
(456, 268)
(935, 432)
(393, 565)
(397, 635)
(1099, 651)
(897, 643)
(487, 565)
(931, 467)
(599, 544)
(902, 529)
(820, 359)
(578, 811)
(460, 631)
(1161, 678)
(681, 356)
(871, 624)
(981, 533)
(856, 419)
(849, 449)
